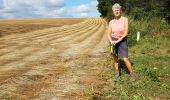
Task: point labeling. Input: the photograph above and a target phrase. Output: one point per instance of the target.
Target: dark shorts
(121, 48)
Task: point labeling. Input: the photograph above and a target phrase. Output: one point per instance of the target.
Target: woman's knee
(125, 59)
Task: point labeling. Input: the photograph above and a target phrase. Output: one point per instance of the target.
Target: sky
(11, 9)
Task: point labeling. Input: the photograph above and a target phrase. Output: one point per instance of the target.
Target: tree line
(138, 9)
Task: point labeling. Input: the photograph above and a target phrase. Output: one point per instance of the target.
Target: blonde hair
(116, 6)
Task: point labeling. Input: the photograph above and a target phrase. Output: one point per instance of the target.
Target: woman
(117, 32)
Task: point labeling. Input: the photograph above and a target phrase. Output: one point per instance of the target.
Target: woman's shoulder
(124, 17)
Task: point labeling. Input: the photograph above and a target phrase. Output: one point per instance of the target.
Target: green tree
(138, 9)
(166, 10)
(105, 7)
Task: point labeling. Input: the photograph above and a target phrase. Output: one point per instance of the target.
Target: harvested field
(52, 59)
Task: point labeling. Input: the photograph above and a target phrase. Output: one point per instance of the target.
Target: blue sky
(10, 9)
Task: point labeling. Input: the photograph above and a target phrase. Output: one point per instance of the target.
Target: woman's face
(117, 12)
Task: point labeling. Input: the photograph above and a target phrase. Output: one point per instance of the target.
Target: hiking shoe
(117, 74)
(133, 76)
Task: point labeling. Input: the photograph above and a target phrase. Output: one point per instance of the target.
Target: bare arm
(126, 31)
(109, 32)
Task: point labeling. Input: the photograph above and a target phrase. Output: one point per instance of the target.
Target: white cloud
(85, 10)
(44, 8)
(83, 15)
(57, 2)
(59, 13)
(1, 4)
(81, 8)
(32, 8)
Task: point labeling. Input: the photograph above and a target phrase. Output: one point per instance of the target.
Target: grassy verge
(150, 58)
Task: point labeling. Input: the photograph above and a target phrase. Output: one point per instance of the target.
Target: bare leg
(115, 59)
(128, 64)
(116, 65)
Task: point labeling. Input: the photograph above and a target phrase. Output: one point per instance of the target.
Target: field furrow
(47, 31)
(48, 64)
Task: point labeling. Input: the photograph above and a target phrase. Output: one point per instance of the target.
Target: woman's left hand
(114, 42)
(117, 41)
